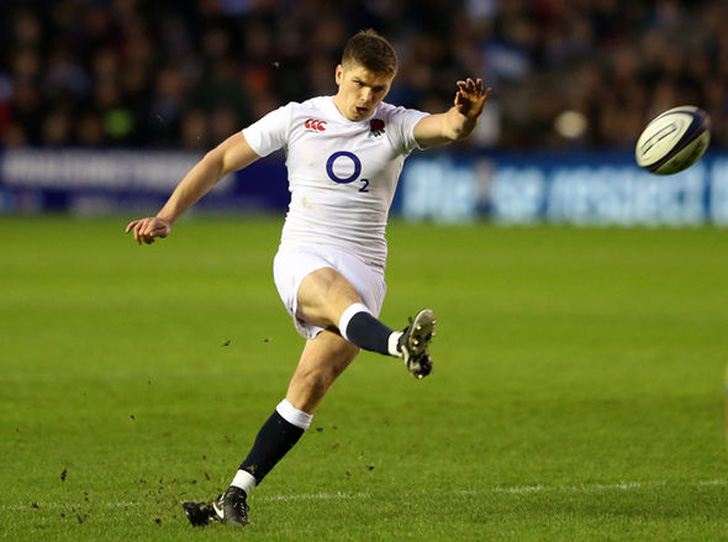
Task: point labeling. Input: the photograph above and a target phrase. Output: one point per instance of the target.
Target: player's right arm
(231, 155)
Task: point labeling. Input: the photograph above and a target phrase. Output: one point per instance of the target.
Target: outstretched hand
(470, 98)
(147, 229)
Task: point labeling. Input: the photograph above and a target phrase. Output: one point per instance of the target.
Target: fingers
(140, 235)
(146, 229)
(147, 237)
(134, 226)
(146, 232)
(469, 86)
(470, 97)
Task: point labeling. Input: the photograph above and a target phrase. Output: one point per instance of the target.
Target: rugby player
(344, 154)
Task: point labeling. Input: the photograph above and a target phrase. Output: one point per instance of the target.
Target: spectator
(152, 74)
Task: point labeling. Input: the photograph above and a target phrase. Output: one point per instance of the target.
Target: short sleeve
(270, 132)
(401, 122)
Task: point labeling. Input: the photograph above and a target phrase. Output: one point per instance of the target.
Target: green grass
(578, 391)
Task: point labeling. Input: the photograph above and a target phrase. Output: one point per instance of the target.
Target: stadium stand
(187, 73)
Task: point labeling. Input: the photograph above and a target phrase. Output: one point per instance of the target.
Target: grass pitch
(577, 392)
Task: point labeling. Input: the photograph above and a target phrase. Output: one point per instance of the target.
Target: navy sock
(274, 440)
(368, 333)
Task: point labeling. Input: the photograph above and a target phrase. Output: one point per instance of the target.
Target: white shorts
(292, 264)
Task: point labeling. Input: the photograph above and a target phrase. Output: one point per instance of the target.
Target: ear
(339, 73)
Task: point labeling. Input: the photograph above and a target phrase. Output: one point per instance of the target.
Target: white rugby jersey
(342, 174)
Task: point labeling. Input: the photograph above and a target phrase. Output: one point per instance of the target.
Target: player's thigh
(324, 295)
(367, 280)
(344, 271)
(290, 267)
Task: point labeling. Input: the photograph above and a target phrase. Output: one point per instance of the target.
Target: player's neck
(339, 106)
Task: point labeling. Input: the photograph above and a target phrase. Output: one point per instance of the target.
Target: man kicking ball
(344, 154)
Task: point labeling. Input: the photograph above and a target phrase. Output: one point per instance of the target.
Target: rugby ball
(674, 140)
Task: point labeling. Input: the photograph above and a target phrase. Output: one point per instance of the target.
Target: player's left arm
(459, 121)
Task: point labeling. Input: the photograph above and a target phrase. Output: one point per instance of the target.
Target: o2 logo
(346, 160)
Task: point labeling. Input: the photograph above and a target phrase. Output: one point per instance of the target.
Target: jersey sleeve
(401, 122)
(270, 132)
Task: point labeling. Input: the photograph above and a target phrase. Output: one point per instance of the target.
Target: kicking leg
(327, 299)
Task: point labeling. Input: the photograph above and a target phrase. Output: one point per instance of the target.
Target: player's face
(360, 90)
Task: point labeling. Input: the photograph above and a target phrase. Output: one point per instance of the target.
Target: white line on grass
(514, 490)
(316, 497)
(590, 488)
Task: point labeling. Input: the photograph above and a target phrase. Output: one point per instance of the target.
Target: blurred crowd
(188, 73)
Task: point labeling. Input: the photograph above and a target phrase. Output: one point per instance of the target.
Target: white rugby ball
(674, 140)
